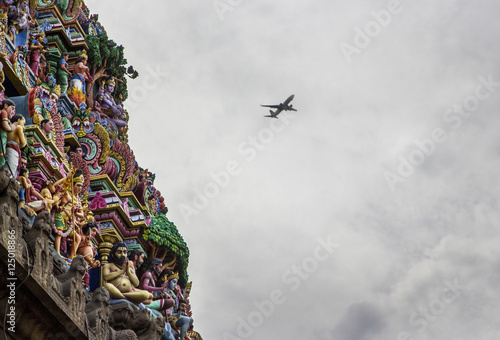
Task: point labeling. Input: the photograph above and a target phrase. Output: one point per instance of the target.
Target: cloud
(362, 321)
(324, 173)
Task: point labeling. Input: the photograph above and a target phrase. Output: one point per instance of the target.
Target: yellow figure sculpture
(120, 278)
(48, 192)
(69, 213)
(15, 142)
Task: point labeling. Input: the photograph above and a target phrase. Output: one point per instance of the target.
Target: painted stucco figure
(120, 277)
(70, 212)
(36, 50)
(176, 316)
(8, 108)
(148, 282)
(15, 142)
(63, 72)
(80, 74)
(86, 248)
(105, 99)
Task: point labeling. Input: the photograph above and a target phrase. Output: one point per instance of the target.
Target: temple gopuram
(87, 250)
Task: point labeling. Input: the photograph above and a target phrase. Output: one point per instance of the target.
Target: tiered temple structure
(86, 248)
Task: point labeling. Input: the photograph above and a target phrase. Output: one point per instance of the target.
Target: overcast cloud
(372, 212)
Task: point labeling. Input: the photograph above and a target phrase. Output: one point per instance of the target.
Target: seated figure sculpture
(52, 192)
(105, 99)
(175, 316)
(47, 192)
(120, 278)
(27, 191)
(183, 321)
(148, 282)
(137, 258)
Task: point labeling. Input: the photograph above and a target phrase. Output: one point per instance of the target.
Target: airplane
(281, 107)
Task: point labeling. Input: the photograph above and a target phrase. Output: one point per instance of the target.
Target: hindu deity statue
(81, 74)
(48, 193)
(120, 277)
(15, 142)
(54, 97)
(27, 191)
(105, 99)
(176, 315)
(8, 108)
(69, 212)
(63, 73)
(36, 49)
(148, 282)
(22, 18)
(87, 248)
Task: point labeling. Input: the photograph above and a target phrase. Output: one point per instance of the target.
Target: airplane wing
(272, 106)
(288, 100)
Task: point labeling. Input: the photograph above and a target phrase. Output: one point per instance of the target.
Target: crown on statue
(78, 179)
(111, 81)
(173, 276)
(57, 90)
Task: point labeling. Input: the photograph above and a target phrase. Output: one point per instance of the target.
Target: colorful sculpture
(137, 258)
(70, 213)
(22, 194)
(93, 139)
(15, 142)
(63, 73)
(176, 317)
(86, 248)
(108, 104)
(148, 282)
(120, 278)
(80, 74)
(48, 193)
(28, 191)
(8, 108)
(36, 49)
(47, 126)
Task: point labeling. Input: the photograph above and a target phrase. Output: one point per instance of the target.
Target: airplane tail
(273, 114)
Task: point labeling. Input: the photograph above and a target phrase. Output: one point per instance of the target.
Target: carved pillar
(106, 241)
(108, 238)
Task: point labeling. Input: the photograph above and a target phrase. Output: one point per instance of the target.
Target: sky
(371, 212)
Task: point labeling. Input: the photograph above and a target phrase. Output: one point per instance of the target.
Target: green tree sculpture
(168, 245)
(106, 59)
